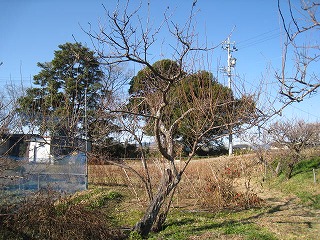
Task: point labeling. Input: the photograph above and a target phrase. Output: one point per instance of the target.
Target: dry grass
(214, 185)
(211, 184)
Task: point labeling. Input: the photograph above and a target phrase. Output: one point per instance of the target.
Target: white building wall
(39, 150)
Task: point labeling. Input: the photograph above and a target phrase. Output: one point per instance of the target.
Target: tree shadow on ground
(189, 226)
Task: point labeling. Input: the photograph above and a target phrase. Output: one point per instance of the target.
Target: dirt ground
(287, 218)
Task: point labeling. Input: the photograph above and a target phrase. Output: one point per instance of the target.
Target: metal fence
(65, 174)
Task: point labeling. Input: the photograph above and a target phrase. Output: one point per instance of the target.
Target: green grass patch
(204, 225)
(307, 165)
(302, 182)
(312, 200)
(92, 199)
(249, 231)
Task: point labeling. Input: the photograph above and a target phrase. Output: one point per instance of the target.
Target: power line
(257, 36)
(271, 95)
(259, 41)
(267, 36)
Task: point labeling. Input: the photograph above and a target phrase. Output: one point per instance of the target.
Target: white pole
(86, 136)
(231, 64)
(229, 85)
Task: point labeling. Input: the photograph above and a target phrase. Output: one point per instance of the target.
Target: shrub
(220, 194)
(217, 188)
(40, 217)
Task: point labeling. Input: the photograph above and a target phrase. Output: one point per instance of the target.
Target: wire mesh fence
(67, 174)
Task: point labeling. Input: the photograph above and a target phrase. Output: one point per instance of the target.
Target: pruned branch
(304, 80)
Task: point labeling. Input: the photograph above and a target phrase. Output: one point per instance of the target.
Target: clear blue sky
(31, 31)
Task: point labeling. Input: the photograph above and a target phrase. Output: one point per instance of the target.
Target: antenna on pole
(230, 48)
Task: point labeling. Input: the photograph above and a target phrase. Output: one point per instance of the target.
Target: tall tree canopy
(66, 89)
(192, 95)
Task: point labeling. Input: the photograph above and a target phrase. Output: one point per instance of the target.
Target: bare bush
(40, 217)
(292, 137)
(217, 186)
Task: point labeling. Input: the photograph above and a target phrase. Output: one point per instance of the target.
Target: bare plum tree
(174, 100)
(9, 122)
(294, 137)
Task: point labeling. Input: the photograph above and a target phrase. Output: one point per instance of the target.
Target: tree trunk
(290, 170)
(293, 163)
(167, 184)
(158, 225)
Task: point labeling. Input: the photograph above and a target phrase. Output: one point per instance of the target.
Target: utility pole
(86, 136)
(230, 48)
